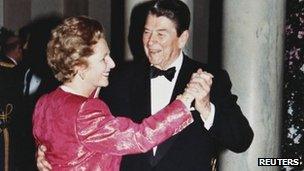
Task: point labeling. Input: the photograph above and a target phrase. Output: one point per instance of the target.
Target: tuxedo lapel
(183, 78)
(181, 82)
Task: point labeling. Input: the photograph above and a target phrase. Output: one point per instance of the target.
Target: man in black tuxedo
(145, 86)
(136, 90)
(38, 80)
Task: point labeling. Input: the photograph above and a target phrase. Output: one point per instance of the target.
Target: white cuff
(209, 121)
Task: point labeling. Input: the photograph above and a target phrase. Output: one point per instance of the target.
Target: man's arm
(230, 127)
(202, 81)
(223, 117)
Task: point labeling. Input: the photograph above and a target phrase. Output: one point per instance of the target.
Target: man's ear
(183, 38)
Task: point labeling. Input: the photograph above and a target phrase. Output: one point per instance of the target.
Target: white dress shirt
(162, 89)
(33, 82)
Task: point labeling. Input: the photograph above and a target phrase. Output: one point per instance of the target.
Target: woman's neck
(79, 88)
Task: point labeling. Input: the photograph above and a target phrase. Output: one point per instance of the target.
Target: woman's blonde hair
(71, 43)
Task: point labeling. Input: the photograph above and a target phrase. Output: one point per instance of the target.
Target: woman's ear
(80, 67)
(80, 71)
(183, 38)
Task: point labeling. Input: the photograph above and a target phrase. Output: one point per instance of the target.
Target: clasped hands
(198, 88)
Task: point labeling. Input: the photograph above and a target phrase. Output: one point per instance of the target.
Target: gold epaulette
(7, 65)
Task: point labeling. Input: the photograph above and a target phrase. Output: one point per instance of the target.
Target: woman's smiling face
(99, 65)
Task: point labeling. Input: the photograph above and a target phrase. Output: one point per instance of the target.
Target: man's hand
(42, 163)
(202, 82)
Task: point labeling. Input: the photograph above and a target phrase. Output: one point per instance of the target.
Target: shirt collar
(13, 60)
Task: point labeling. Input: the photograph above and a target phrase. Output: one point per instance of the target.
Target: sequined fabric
(81, 133)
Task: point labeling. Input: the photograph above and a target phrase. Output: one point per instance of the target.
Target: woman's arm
(99, 131)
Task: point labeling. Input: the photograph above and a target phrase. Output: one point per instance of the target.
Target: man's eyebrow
(162, 30)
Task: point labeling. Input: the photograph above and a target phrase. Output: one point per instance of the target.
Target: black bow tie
(155, 72)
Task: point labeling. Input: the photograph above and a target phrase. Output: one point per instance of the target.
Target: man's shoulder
(218, 73)
(188, 62)
(192, 62)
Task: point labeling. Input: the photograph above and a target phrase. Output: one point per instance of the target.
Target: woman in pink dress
(77, 128)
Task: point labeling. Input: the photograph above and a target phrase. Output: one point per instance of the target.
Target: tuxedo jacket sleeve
(230, 127)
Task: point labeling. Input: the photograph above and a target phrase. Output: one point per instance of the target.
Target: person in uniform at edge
(11, 83)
